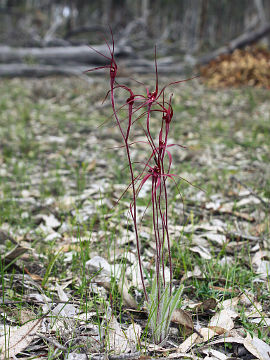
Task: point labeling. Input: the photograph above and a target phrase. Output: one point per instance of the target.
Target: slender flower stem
(134, 212)
(167, 234)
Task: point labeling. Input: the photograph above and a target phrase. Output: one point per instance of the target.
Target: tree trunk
(202, 21)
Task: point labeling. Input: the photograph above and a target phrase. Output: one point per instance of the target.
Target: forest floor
(68, 255)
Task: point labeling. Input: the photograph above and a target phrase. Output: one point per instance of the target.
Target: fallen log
(144, 66)
(139, 66)
(237, 43)
(69, 55)
(24, 70)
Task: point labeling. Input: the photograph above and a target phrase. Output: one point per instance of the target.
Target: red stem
(134, 214)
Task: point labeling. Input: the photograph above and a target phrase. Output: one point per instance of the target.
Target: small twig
(7, 302)
(52, 341)
(128, 356)
(99, 357)
(244, 236)
(267, 205)
(197, 332)
(135, 355)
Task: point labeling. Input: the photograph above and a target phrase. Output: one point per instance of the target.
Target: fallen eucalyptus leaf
(206, 335)
(257, 347)
(15, 253)
(221, 322)
(208, 304)
(202, 251)
(195, 273)
(128, 299)
(182, 317)
(220, 239)
(104, 269)
(264, 321)
(214, 354)
(120, 341)
(17, 340)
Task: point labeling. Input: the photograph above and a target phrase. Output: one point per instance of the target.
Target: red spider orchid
(156, 169)
(112, 66)
(130, 102)
(167, 115)
(156, 174)
(125, 136)
(152, 97)
(158, 181)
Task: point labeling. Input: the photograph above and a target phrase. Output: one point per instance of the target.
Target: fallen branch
(10, 70)
(39, 70)
(68, 55)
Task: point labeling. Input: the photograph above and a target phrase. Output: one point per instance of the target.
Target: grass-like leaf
(160, 307)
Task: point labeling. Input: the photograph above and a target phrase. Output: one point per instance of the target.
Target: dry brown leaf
(15, 253)
(182, 317)
(247, 201)
(120, 341)
(91, 165)
(221, 322)
(116, 338)
(195, 273)
(17, 340)
(220, 239)
(263, 321)
(214, 354)
(128, 299)
(99, 265)
(246, 299)
(50, 220)
(264, 269)
(257, 347)
(225, 340)
(242, 67)
(208, 304)
(257, 258)
(230, 303)
(133, 334)
(202, 251)
(188, 343)
(206, 335)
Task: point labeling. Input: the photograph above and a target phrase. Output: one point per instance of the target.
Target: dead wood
(24, 70)
(69, 55)
(139, 66)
